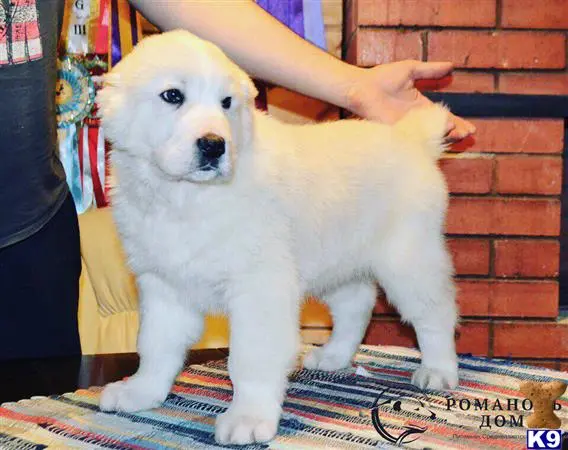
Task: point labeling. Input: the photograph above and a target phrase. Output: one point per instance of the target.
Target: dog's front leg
(167, 328)
(264, 309)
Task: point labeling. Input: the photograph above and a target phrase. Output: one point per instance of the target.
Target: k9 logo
(549, 439)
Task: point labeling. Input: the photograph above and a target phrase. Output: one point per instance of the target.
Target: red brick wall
(504, 218)
(508, 46)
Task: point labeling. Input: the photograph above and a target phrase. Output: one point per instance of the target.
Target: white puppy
(222, 208)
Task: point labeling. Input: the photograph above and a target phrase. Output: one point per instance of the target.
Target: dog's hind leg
(264, 316)
(416, 274)
(351, 307)
(167, 329)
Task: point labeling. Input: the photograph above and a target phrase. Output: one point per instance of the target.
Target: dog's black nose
(211, 146)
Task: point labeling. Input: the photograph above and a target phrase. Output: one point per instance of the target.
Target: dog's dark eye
(173, 96)
(226, 103)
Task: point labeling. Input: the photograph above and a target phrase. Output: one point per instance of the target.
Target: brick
(470, 256)
(526, 258)
(371, 47)
(468, 175)
(524, 299)
(530, 339)
(390, 331)
(472, 337)
(498, 49)
(481, 13)
(473, 297)
(534, 83)
(528, 217)
(548, 14)
(492, 298)
(515, 136)
(529, 175)
(459, 81)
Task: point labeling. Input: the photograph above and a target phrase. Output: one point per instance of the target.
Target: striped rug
(368, 405)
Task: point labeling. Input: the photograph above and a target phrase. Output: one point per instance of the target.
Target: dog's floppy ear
(248, 87)
(111, 102)
(107, 96)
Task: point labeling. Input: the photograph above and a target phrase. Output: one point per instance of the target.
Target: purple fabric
(115, 40)
(314, 28)
(289, 12)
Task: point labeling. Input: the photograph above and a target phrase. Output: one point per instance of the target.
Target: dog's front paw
(130, 396)
(322, 359)
(435, 379)
(239, 426)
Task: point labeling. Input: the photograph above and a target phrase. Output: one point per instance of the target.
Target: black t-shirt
(32, 179)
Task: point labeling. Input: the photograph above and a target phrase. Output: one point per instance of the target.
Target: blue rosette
(75, 92)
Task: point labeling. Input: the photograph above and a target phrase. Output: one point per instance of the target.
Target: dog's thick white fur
(289, 210)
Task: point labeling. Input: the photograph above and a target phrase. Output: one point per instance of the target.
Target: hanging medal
(91, 29)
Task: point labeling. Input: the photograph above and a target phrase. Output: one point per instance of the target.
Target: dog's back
(344, 184)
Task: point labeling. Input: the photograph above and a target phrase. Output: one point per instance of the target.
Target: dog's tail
(426, 127)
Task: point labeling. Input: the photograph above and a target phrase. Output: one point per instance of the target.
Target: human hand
(387, 92)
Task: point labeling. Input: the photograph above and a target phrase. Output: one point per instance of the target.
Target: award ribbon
(96, 35)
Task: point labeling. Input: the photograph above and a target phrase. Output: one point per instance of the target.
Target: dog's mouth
(208, 172)
(207, 168)
(200, 174)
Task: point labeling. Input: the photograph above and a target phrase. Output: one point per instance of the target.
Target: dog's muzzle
(211, 148)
